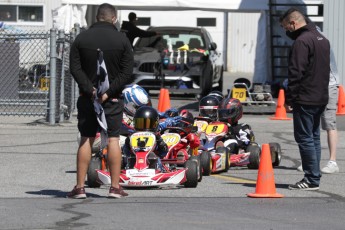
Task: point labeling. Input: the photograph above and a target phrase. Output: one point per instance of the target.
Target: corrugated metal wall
(334, 28)
(242, 35)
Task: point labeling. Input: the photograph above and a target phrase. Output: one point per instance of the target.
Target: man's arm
(84, 84)
(126, 69)
(297, 67)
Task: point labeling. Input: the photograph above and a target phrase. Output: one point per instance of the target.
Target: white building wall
(48, 6)
(334, 28)
(242, 36)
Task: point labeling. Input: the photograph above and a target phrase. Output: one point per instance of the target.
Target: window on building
(206, 21)
(144, 22)
(16, 13)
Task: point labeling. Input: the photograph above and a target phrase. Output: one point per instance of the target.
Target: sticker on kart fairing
(142, 140)
(171, 139)
(215, 129)
(201, 125)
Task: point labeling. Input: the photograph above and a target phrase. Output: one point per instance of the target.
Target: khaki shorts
(329, 117)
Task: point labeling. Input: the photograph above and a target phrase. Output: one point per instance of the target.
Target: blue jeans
(306, 121)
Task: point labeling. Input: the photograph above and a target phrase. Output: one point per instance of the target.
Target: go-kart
(220, 155)
(99, 156)
(250, 156)
(180, 151)
(259, 101)
(143, 168)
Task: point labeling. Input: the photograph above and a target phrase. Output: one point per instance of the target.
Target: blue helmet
(134, 97)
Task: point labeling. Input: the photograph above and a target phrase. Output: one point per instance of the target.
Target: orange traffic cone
(341, 101)
(166, 101)
(265, 186)
(161, 99)
(280, 110)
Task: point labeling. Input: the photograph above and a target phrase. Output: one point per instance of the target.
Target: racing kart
(180, 151)
(144, 170)
(258, 101)
(220, 155)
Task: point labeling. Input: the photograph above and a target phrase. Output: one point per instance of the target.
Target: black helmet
(208, 107)
(146, 118)
(216, 94)
(230, 110)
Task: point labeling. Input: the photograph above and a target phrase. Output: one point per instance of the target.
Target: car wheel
(206, 163)
(206, 79)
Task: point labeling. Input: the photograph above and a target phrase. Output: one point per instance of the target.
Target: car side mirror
(213, 46)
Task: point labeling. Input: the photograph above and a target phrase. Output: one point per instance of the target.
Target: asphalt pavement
(38, 169)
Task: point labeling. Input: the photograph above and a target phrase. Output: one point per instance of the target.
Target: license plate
(239, 93)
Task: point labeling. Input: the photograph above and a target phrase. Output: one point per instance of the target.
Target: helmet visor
(147, 124)
(208, 111)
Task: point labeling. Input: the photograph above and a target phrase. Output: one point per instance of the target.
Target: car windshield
(173, 40)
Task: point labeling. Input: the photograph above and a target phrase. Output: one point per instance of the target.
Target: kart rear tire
(92, 178)
(206, 163)
(191, 174)
(225, 151)
(276, 153)
(254, 156)
(197, 160)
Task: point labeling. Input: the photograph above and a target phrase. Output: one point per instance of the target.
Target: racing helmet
(208, 107)
(186, 114)
(146, 118)
(217, 94)
(230, 110)
(134, 97)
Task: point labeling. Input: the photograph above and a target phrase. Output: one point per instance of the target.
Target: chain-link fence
(34, 73)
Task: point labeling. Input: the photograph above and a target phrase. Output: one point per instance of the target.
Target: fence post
(62, 106)
(76, 31)
(52, 85)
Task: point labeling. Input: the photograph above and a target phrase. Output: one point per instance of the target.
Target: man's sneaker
(77, 193)
(331, 167)
(116, 192)
(303, 185)
(300, 168)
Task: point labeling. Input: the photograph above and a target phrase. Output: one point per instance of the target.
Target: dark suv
(182, 59)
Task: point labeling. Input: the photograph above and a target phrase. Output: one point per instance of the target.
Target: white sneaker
(331, 167)
(300, 168)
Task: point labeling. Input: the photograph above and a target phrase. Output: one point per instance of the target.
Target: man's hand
(103, 98)
(288, 108)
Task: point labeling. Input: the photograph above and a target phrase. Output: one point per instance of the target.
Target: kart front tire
(276, 153)
(191, 174)
(197, 160)
(254, 156)
(206, 163)
(95, 164)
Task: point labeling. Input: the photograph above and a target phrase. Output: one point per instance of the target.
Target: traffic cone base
(280, 110)
(265, 186)
(341, 101)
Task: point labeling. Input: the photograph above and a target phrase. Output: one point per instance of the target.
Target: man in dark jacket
(132, 31)
(307, 91)
(118, 58)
